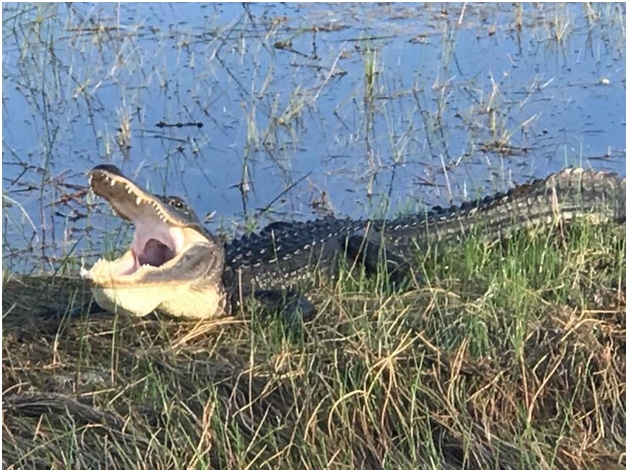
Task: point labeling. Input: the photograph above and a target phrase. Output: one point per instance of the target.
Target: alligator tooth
(138, 201)
(112, 183)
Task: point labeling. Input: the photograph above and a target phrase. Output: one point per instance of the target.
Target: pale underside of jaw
(124, 285)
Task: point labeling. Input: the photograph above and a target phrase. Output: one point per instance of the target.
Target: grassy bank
(507, 355)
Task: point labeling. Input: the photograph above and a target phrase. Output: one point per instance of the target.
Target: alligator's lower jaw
(151, 289)
(134, 301)
(176, 300)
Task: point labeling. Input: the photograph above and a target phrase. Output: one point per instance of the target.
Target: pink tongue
(155, 253)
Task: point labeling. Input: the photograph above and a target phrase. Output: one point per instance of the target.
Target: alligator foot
(293, 304)
(370, 251)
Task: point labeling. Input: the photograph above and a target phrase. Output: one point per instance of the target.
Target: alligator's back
(598, 196)
(285, 253)
(282, 254)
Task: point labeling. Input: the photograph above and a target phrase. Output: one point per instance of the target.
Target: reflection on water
(304, 109)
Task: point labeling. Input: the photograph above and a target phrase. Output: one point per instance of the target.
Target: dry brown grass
(437, 376)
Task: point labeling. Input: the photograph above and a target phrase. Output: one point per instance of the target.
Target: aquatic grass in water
(453, 107)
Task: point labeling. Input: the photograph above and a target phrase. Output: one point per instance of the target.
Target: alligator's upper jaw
(149, 275)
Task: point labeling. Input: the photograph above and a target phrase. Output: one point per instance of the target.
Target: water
(305, 109)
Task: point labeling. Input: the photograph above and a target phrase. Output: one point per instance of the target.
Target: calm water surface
(290, 111)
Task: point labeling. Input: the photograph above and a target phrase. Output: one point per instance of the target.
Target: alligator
(176, 266)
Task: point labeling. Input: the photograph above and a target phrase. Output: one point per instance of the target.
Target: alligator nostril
(108, 168)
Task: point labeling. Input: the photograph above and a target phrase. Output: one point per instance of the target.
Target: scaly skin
(272, 263)
(282, 256)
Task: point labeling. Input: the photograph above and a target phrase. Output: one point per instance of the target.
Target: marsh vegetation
(509, 355)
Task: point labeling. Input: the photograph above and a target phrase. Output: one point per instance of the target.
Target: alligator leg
(369, 250)
(291, 302)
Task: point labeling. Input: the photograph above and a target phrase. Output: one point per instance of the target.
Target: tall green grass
(507, 355)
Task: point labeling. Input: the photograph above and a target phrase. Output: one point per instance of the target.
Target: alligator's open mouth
(165, 230)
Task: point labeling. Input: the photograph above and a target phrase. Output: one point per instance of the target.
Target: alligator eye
(176, 202)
